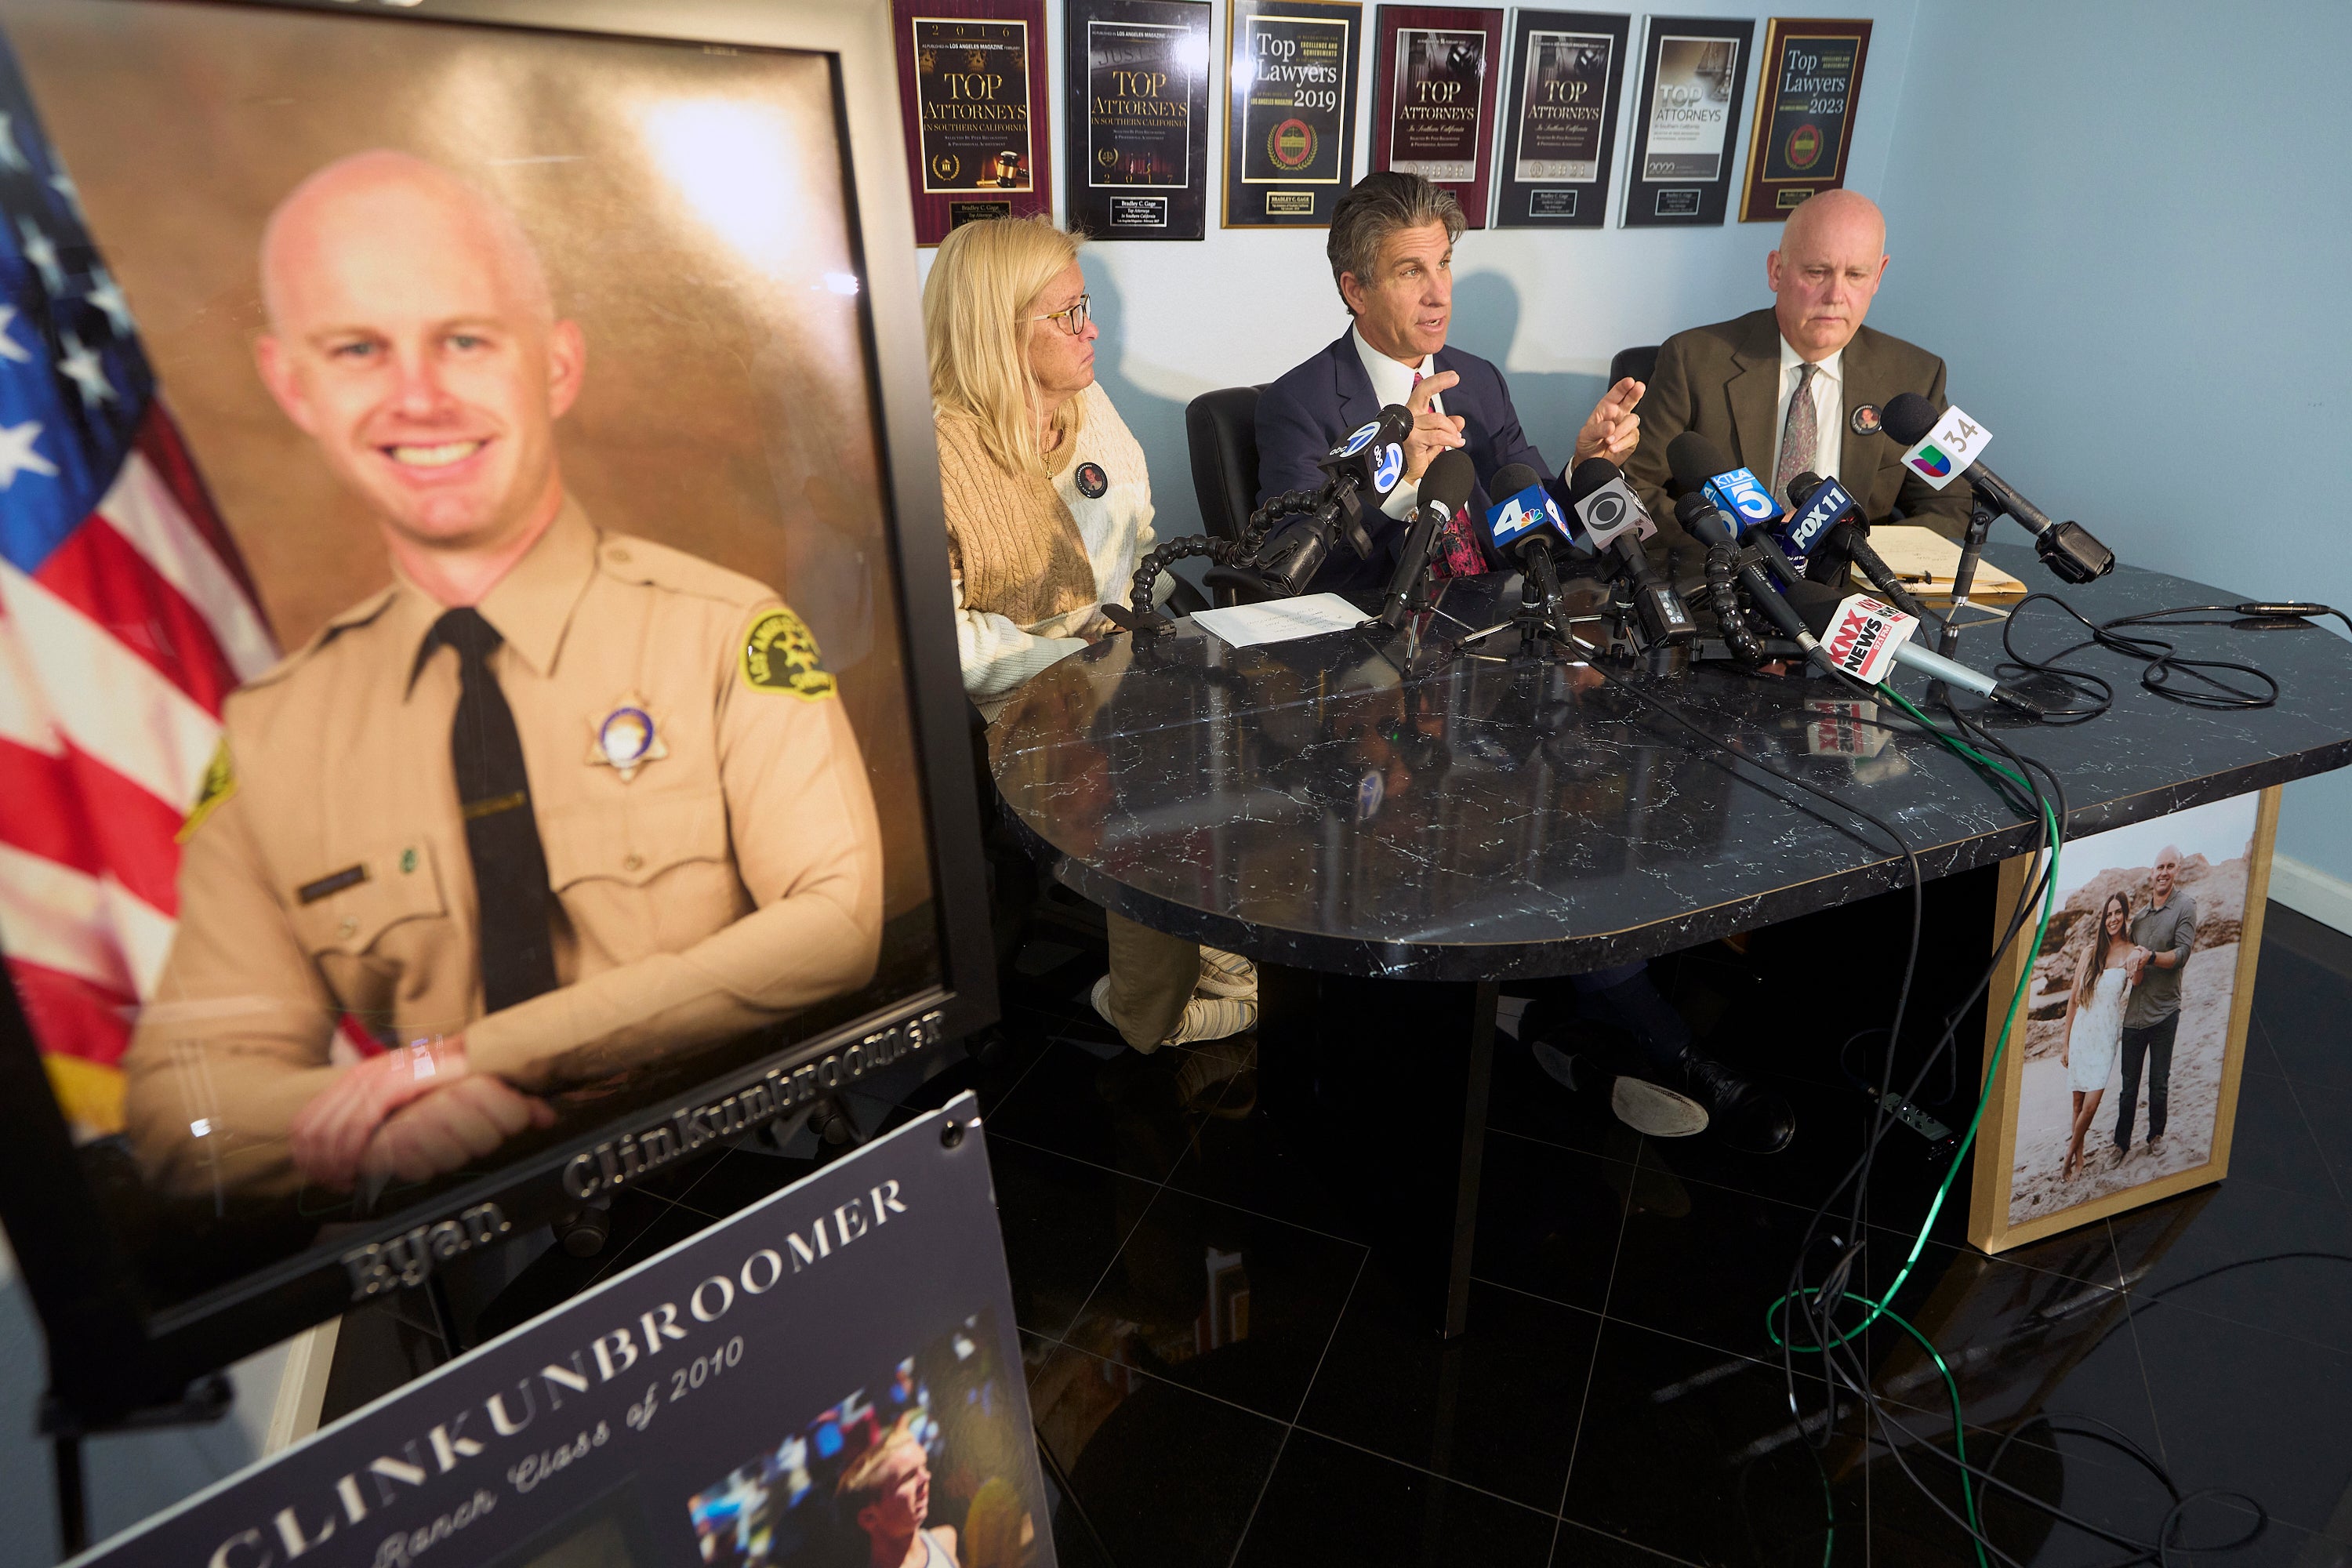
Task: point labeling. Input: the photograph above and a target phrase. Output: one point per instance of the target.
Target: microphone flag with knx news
(1866, 637)
(1942, 444)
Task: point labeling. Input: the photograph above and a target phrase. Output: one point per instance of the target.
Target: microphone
(1864, 637)
(1941, 444)
(1445, 487)
(1526, 526)
(1702, 520)
(1615, 523)
(1828, 531)
(1702, 468)
(1371, 457)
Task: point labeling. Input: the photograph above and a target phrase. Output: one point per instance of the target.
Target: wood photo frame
(2016, 1196)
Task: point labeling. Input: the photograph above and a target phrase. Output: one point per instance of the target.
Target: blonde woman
(1048, 512)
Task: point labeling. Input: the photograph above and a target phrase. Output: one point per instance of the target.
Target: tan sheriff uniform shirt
(733, 875)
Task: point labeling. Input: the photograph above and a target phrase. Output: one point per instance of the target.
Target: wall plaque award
(1137, 117)
(1804, 114)
(1687, 121)
(972, 87)
(1434, 107)
(1290, 118)
(1559, 119)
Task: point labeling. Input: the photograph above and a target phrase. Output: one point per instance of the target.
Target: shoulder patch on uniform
(220, 783)
(634, 559)
(779, 654)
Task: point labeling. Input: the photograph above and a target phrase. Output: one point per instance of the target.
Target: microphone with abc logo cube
(1945, 446)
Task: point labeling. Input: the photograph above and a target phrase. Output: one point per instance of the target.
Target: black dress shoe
(1750, 1119)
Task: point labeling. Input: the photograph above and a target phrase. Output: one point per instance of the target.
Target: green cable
(1879, 1307)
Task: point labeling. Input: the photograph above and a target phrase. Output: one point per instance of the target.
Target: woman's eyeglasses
(1074, 320)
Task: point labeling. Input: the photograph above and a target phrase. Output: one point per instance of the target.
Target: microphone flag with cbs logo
(1611, 511)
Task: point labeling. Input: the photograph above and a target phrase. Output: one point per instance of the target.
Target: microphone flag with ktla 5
(1702, 468)
(1949, 444)
(1866, 638)
(1445, 487)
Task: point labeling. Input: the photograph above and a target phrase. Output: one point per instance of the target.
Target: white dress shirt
(1829, 412)
(1392, 382)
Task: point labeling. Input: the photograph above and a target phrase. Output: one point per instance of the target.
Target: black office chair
(1221, 428)
(1640, 363)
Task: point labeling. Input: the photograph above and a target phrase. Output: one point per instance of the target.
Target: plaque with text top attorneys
(1137, 116)
(972, 87)
(1290, 121)
(1687, 121)
(1804, 113)
(1559, 119)
(1436, 80)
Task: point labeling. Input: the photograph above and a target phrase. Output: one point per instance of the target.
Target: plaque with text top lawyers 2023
(1433, 99)
(1290, 126)
(1137, 117)
(1687, 121)
(972, 87)
(1559, 119)
(1804, 113)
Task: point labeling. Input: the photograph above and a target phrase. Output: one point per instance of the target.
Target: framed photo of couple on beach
(2119, 1085)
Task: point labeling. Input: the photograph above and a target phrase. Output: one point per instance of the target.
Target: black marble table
(1346, 813)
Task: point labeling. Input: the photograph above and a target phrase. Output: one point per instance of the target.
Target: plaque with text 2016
(1804, 114)
(1687, 121)
(1137, 116)
(1290, 116)
(1433, 102)
(972, 89)
(1559, 119)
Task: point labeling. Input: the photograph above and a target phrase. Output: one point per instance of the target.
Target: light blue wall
(2128, 229)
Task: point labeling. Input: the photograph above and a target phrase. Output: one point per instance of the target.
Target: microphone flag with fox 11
(126, 619)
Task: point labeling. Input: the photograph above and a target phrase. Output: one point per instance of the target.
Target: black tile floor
(1220, 1361)
(1222, 1364)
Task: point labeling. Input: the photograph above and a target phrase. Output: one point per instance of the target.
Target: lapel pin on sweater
(1092, 481)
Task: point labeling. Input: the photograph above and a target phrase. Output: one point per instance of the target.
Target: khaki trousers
(1153, 977)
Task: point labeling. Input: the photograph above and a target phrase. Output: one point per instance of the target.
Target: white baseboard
(2310, 891)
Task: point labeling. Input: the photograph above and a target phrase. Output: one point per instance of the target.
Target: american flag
(126, 617)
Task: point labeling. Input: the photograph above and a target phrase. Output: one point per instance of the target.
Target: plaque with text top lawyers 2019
(1290, 124)
(1559, 119)
(1433, 99)
(972, 87)
(1137, 117)
(1804, 114)
(1687, 121)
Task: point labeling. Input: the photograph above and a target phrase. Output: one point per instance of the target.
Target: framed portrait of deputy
(1435, 80)
(972, 86)
(1137, 115)
(478, 710)
(2118, 1084)
(1805, 104)
(1687, 121)
(1559, 119)
(1290, 120)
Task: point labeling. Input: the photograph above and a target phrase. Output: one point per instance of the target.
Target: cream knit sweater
(1031, 561)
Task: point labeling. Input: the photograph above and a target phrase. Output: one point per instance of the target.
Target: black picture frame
(1317, 141)
(1168, 39)
(1690, 198)
(108, 1355)
(1558, 202)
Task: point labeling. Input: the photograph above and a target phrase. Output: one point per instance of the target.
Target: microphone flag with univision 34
(1866, 637)
(1948, 446)
(1827, 533)
(1445, 491)
(1615, 525)
(1368, 463)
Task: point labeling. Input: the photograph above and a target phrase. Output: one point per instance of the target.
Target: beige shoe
(1226, 975)
(1215, 1018)
(1100, 997)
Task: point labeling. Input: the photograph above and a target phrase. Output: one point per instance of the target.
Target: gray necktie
(1799, 436)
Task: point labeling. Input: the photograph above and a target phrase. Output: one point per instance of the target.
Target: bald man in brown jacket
(1736, 382)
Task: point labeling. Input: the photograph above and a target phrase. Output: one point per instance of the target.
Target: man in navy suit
(1391, 251)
